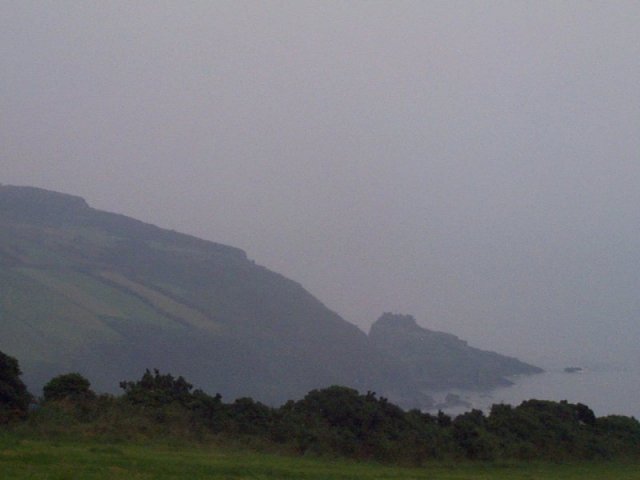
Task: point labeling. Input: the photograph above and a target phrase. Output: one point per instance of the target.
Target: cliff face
(109, 296)
(437, 360)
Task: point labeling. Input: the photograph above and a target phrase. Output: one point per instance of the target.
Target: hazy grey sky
(475, 164)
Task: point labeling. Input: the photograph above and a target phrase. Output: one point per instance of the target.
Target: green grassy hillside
(109, 296)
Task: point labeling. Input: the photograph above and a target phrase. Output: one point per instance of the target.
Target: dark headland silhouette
(109, 296)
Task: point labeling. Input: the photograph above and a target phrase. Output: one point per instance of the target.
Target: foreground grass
(23, 458)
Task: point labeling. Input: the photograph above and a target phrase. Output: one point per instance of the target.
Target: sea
(606, 390)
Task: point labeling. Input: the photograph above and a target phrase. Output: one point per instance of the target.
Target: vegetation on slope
(79, 286)
(335, 421)
(108, 295)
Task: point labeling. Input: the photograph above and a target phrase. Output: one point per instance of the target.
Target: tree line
(336, 421)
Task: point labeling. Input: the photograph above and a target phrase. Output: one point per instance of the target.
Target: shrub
(14, 397)
(70, 386)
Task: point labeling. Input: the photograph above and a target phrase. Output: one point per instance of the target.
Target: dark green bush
(14, 397)
(335, 421)
(70, 386)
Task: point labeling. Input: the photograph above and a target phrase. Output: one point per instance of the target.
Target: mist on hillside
(472, 164)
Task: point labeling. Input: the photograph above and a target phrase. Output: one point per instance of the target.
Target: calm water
(606, 390)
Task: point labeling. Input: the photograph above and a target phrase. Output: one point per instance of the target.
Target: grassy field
(58, 460)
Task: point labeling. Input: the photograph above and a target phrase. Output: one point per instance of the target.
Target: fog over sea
(474, 164)
(607, 390)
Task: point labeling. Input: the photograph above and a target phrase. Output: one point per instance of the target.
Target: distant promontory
(109, 296)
